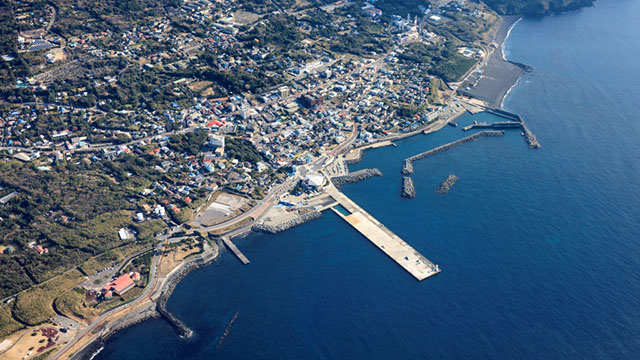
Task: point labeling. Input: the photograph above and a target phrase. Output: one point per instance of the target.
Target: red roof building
(40, 249)
(120, 285)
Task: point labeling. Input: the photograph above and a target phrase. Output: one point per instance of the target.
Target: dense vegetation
(535, 7)
(74, 228)
(445, 62)
(241, 149)
(17, 68)
(189, 143)
(71, 303)
(7, 324)
(35, 305)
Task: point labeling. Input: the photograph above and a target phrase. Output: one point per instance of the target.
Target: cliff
(536, 7)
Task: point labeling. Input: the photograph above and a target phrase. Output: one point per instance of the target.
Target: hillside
(535, 7)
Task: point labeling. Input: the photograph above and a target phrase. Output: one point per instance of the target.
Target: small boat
(453, 124)
(522, 133)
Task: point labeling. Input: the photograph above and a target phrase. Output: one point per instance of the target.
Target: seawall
(407, 167)
(529, 136)
(274, 229)
(355, 176)
(151, 311)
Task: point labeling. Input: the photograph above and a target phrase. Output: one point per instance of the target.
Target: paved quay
(391, 244)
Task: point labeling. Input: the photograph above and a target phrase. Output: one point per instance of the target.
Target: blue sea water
(540, 249)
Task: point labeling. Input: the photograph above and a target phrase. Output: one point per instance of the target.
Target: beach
(492, 81)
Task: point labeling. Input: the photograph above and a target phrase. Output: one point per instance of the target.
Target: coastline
(148, 311)
(506, 37)
(95, 345)
(493, 81)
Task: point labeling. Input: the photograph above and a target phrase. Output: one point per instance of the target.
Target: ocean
(540, 249)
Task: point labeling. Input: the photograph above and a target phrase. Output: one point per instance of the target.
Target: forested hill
(535, 7)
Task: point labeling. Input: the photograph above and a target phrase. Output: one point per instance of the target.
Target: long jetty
(227, 241)
(391, 244)
(407, 167)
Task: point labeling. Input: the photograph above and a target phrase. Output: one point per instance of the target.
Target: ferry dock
(391, 244)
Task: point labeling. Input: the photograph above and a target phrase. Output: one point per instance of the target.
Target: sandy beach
(494, 80)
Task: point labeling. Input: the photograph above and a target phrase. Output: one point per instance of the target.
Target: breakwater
(274, 229)
(495, 125)
(529, 136)
(408, 190)
(153, 310)
(407, 167)
(355, 176)
(161, 302)
(227, 330)
(170, 283)
(447, 184)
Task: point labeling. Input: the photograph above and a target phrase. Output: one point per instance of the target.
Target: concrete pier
(390, 243)
(235, 250)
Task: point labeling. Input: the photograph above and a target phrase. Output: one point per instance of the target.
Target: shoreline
(150, 311)
(97, 344)
(504, 41)
(492, 82)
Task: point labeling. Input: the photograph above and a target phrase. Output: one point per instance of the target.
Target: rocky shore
(407, 167)
(274, 229)
(408, 190)
(447, 184)
(356, 176)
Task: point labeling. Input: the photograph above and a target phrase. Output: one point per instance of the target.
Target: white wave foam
(507, 38)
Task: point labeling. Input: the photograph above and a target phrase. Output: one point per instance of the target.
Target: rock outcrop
(447, 184)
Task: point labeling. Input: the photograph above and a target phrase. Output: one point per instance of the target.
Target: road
(145, 296)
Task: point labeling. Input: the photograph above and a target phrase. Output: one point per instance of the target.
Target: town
(159, 126)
